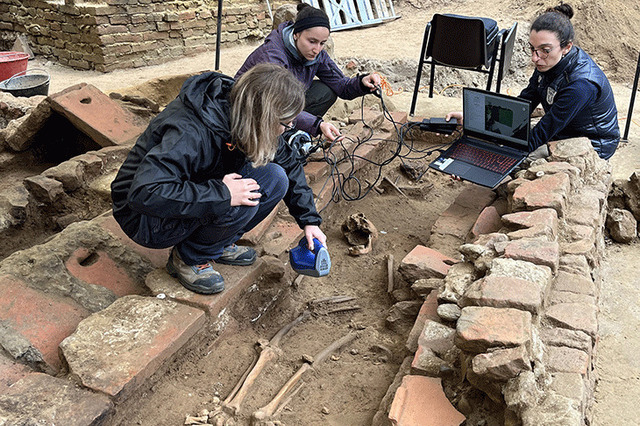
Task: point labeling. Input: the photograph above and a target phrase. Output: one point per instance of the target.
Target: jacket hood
(207, 95)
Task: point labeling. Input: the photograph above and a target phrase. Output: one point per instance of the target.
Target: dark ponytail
(558, 21)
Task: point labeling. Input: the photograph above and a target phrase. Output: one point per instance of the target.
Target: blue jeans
(207, 241)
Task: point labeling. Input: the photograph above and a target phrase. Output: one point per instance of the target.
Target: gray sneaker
(202, 279)
(237, 255)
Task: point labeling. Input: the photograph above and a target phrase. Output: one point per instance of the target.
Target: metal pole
(218, 35)
(633, 98)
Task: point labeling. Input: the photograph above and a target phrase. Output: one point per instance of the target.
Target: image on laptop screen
(496, 118)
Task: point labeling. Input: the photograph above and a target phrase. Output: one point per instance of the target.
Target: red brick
(237, 279)
(43, 320)
(488, 222)
(399, 118)
(423, 262)
(505, 292)
(316, 170)
(574, 283)
(421, 401)
(42, 399)
(282, 236)
(97, 115)
(371, 117)
(535, 224)
(118, 348)
(567, 360)
(158, 258)
(99, 269)
(549, 191)
(574, 316)
(10, 372)
(428, 311)
(253, 236)
(481, 328)
(535, 251)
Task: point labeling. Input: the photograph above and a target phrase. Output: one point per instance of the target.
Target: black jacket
(174, 171)
(573, 112)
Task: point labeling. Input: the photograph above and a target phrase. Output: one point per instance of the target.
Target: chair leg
(416, 88)
(431, 78)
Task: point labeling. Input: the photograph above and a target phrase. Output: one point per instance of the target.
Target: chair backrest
(507, 47)
(460, 41)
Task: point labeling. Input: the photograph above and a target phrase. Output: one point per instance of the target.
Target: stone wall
(516, 318)
(104, 35)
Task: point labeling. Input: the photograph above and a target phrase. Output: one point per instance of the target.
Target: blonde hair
(261, 99)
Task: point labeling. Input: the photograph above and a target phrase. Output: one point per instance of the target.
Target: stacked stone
(110, 34)
(517, 317)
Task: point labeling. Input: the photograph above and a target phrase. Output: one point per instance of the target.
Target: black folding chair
(508, 38)
(456, 41)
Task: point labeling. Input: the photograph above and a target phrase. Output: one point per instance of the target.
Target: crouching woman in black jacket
(212, 166)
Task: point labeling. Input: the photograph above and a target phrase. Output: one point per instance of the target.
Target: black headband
(310, 22)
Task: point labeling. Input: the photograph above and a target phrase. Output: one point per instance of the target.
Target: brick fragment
(574, 316)
(423, 262)
(481, 328)
(106, 357)
(538, 252)
(568, 360)
(412, 398)
(502, 364)
(505, 292)
(549, 191)
(43, 399)
(541, 223)
(44, 189)
(573, 283)
(488, 221)
(427, 312)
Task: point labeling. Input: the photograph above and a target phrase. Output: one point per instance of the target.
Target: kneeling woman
(209, 168)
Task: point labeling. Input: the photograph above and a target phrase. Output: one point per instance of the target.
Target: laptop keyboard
(482, 158)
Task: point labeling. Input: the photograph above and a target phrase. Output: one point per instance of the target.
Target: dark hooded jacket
(274, 51)
(578, 102)
(172, 179)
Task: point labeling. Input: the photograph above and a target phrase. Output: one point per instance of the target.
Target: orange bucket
(11, 63)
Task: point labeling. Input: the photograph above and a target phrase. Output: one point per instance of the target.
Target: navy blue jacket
(578, 102)
(172, 177)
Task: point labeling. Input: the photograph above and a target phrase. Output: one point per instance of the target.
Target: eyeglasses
(542, 53)
(287, 126)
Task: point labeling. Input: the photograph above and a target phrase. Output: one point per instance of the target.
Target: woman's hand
(454, 114)
(372, 81)
(244, 192)
(313, 231)
(329, 131)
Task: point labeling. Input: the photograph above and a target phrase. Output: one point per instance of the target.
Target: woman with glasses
(210, 167)
(574, 92)
(299, 47)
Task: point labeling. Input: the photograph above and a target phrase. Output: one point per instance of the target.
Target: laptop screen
(496, 118)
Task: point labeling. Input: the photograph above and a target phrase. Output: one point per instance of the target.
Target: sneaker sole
(237, 262)
(192, 287)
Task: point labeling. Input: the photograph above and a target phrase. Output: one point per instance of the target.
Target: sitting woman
(574, 92)
(299, 47)
(210, 167)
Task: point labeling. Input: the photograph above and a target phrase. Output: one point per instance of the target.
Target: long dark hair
(558, 21)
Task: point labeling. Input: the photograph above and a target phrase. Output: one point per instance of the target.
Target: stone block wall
(517, 317)
(104, 35)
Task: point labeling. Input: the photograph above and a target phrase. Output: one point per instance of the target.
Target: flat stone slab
(117, 349)
(481, 328)
(40, 399)
(97, 115)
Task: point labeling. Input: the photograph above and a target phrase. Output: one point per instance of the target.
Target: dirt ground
(347, 389)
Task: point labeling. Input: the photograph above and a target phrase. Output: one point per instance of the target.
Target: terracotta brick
(370, 116)
(567, 360)
(574, 316)
(99, 269)
(11, 372)
(574, 283)
(421, 401)
(557, 336)
(423, 262)
(253, 236)
(502, 364)
(158, 258)
(316, 170)
(481, 328)
(282, 236)
(428, 311)
(116, 349)
(42, 320)
(97, 115)
(545, 253)
(399, 117)
(557, 297)
(42, 399)
(488, 222)
(549, 191)
(505, 292)
(541, 223)
(237, 279)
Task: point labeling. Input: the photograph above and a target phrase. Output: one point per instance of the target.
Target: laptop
(494, 141)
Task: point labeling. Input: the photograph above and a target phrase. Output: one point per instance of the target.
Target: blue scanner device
(316, 263)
